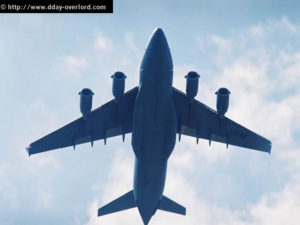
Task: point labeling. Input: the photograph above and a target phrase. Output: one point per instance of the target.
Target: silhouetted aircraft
(154, 112)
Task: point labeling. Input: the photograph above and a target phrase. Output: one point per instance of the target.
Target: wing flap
(111, 119)
(198, 120)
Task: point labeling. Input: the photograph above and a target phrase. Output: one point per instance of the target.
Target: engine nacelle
(222, 101)
(118, 86)
(86, 100)
(192, 81)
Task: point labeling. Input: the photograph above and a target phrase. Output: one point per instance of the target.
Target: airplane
(154, 113)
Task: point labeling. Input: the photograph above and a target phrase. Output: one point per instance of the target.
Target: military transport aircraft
(153, 112)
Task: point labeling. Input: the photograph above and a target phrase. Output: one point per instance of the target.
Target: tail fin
(122, 203)
(167, 204)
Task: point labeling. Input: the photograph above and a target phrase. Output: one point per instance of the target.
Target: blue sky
(251, 47)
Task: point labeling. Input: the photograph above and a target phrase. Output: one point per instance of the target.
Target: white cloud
(8, 191)
(44, 198)
(9, 195)
(221, 42)
(289, 73)
(129, 39)
(103, 43)
(278, 208)
(284, 23)
(282, 26)
(73, 66)
(257, 31)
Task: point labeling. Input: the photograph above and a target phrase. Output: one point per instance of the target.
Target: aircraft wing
(198, 120)
(109, 120)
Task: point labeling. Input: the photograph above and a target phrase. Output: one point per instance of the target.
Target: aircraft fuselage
(154, 125)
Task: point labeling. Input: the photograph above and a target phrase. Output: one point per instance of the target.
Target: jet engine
(118, 86)
(192, 81)
(222, 101)
(86, 99)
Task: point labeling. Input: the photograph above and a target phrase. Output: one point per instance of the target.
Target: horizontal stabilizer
(122, 203)
(167, 204)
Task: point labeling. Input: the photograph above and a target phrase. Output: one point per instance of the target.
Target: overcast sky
(251, 47)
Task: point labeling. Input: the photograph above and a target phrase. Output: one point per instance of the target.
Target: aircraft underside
(154, 113)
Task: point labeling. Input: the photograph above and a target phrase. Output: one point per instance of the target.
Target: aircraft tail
(122, 203)
(167, 204)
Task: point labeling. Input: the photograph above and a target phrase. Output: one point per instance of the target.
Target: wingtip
(28, 150)
(270, 148)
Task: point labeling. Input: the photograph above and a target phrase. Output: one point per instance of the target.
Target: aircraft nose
(158, 39)
(158, 33)
(157, 51)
